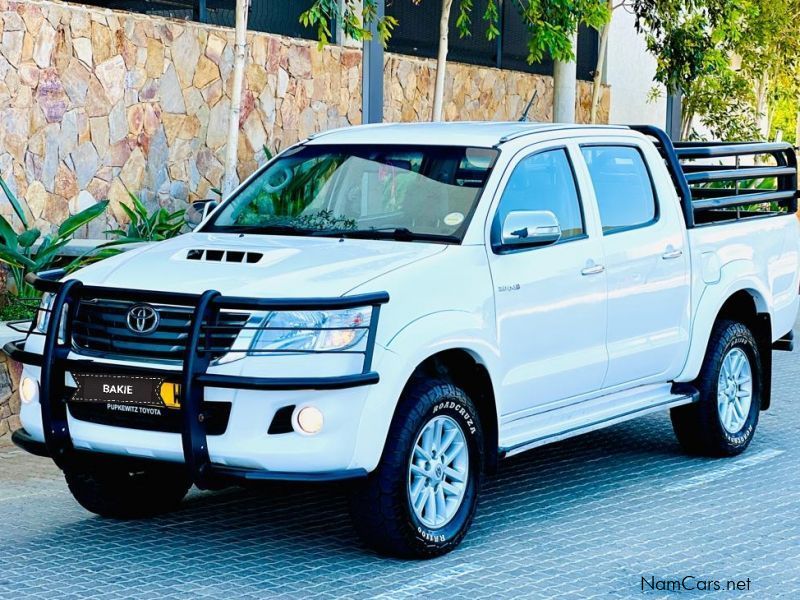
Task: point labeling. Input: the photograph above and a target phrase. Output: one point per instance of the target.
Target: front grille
(101, 327)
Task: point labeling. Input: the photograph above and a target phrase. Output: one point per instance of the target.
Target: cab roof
(457, 133)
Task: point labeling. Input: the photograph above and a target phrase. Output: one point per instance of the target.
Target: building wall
(96, 103)
(630, 69)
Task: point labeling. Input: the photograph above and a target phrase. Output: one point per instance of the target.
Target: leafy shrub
(22, 254)
(147, 227)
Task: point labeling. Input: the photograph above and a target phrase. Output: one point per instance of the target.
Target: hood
(255, 265)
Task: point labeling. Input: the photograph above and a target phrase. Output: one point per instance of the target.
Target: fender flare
(420, 339)
(737, 276)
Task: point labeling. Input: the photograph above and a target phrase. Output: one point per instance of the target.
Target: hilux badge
(143, 319)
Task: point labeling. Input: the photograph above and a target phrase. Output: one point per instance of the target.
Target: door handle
(593, 270)
(670, 253)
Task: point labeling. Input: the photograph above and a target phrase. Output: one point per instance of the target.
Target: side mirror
(526, 228)
(198, 211)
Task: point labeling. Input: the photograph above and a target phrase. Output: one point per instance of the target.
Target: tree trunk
(564, 83)
(441, 60)
(230, 178)
(797, 126)
(597, 83)
(762, 108)
(686, 122)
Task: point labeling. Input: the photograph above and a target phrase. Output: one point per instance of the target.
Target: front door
(551, 300)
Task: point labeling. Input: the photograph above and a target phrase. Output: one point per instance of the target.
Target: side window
(545, 181)
(622, 186)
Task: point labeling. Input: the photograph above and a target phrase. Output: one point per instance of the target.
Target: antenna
(524, 117)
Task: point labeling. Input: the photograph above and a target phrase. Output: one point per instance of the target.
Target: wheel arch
(747, 304)
(466, 369)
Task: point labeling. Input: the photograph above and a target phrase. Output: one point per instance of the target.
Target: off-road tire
(380, 505)
(119, 493)
(698, 426)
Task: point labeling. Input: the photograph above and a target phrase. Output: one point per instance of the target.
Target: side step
(786, 343)
(587, 416)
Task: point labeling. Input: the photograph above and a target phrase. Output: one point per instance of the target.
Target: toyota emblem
(143, 319)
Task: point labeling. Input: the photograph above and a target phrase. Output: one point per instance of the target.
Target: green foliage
(784, 117)
(21, 252)
(723, 101)
(550, 23)
(694, 42)
(18, 309)
(687, 37)
(147, 227)
(355, 18)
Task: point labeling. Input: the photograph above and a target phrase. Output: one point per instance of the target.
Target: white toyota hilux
(404, 305)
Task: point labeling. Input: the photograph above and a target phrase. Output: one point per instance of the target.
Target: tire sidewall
(460, 409)
(738, 336)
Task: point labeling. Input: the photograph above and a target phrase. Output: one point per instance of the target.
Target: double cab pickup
(405, 305)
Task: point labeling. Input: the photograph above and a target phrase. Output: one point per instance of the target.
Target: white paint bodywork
(566, 353)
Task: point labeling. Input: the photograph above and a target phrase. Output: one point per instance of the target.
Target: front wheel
(420, 501)
(724, 421)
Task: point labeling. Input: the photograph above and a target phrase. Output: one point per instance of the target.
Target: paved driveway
(589, 517)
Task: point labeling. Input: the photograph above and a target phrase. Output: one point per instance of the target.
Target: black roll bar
(698, 200)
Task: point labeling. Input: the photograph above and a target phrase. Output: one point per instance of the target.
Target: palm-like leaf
(28, 238)
(7, 233)
(15, 259)
(76, 221)
(14, 203)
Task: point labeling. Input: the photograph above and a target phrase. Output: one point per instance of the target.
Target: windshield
(394, 192)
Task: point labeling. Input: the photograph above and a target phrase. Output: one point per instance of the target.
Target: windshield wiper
(400, 234)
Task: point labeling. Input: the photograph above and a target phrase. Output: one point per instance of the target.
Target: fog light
(309, 420)
(28, 390)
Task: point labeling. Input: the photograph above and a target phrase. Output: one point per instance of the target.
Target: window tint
(545, 181)
(622, 186)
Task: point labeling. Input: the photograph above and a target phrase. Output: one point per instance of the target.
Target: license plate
(126, 389)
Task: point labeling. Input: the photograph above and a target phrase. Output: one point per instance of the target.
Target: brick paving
(585, 518)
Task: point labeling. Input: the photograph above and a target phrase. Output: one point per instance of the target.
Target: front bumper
(222, 474)
(67, 440)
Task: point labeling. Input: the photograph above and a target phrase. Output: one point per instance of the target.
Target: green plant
(147, 227)
(23, 255)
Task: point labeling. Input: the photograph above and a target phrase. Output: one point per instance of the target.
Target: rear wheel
(420, 501)
(724, 421)
(121, 493)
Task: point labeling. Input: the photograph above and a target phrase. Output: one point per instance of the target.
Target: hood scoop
(228, 256)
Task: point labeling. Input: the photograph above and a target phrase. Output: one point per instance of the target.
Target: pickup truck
(404, 305)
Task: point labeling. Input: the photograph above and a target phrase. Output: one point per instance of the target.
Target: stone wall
(10, 372)
(94, 103)
(476, 93)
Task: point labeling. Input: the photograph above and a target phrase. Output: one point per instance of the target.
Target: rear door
(550, 300)
(646, 261)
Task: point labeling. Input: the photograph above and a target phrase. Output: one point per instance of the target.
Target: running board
(577, 422)
(786, 343)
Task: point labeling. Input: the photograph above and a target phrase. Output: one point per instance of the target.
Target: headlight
(301, 331)
(312, 330)
(43, 317)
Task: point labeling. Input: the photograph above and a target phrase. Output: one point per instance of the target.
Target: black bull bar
(193, 375)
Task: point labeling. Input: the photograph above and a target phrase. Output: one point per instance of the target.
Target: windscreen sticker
(453, 219)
